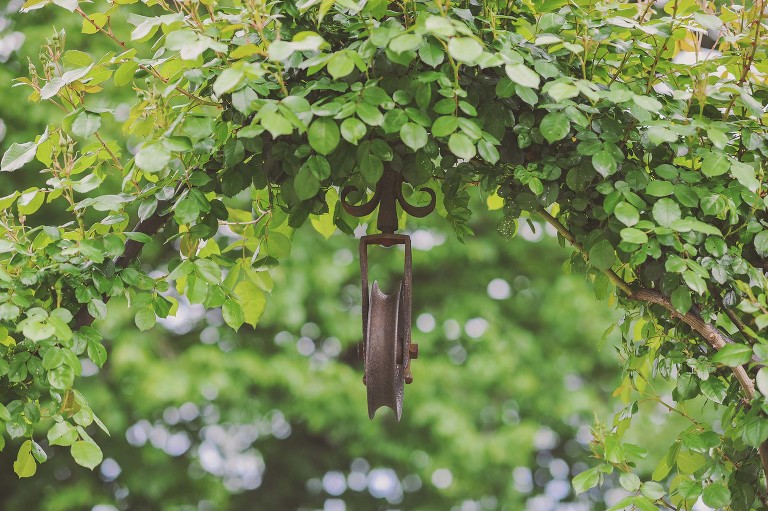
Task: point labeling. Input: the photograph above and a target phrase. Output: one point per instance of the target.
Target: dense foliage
(252, 114)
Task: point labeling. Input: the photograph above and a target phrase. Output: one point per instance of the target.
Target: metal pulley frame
(387, 347)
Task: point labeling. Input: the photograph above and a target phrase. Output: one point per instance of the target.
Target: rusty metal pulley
(387, 347)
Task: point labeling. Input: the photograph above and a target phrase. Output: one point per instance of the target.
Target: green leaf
(745, 174)
(197, 291)
(715, 164)
(626, 213)
(701, 441)
(25, 465)
(762, 381)
(755, 431)
(54, 357)
(125, 73)
(761, 243)
(665, 212)
(97, 308)
(153, 157)
(323, 135)
(208, 270)
(319, 167)
(431, 54)
(17, 156)
(644, 504)
(252, 301)
(87, 454)
(527, 94)
(465, 49)
(658, 135)
(371, 168)
(353, 130)
(276, 124)
(602, 255)
(695, 281)
(233, 314)
(505, 88)
(61, 377)
(629, 481)
(405, 42)
(687, 387)
(604, 163)
(62, 433)
(445, 125)
(586, 480)
(632, 235)
(370, 114)
(340, 65)
(562, 91)
(323, 224)
(228, 80)
(714, 389)
(97, 353)
(681, 300)
(462, 146)
(689, 489)
(187, 210)
(733, 355)
(305, 184)
(30, 201)
(652, 490)
(555, 126)
(86, 124)
(145, 318)
(522, 75)
(660, 188)
(38, 331)
(716, 495)
(277, 245)
(5, 415)
(394, 120)
(488, 151)
(413, 135)
(647, 103)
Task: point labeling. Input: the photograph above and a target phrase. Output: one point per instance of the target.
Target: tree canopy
(612, 123)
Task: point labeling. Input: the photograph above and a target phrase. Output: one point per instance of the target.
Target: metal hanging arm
(388, 193)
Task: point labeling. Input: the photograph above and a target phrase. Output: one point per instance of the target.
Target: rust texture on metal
(386, 318)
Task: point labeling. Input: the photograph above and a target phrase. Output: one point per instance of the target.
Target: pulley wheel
(384, 375)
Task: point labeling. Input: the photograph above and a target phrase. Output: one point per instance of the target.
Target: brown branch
(565, 233)
(150, 226)
(713, 335)
(709, 332)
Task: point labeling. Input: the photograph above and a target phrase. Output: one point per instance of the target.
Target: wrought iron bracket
(388, 193)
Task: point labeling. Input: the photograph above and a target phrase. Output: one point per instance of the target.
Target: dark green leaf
(323, 135)
(604, 163)
(555, 126)
(602, 255)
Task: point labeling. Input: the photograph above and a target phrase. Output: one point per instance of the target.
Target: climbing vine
(635, 130)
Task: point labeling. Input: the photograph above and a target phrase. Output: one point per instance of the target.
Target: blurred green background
(509, 380)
